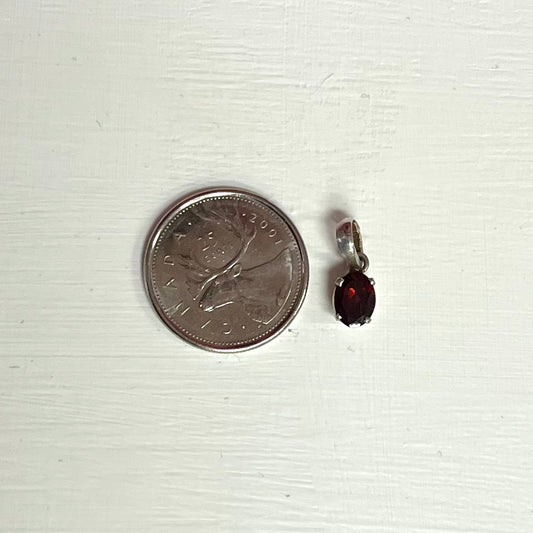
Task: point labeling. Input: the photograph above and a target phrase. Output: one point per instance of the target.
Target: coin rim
(187, 201)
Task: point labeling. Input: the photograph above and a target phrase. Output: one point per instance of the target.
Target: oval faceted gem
(354, 299)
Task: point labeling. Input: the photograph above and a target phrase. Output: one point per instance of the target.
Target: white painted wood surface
(416, 117)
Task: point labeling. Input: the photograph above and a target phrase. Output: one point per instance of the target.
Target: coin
(225, 269)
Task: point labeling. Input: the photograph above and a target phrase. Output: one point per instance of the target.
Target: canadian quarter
(225, 269)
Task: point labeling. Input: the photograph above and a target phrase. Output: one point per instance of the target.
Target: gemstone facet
(354, 299)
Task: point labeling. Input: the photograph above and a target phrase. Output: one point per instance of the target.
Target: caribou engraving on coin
(226, 270)
(261, 290)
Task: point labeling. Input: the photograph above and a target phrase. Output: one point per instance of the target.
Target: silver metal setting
(350, 245)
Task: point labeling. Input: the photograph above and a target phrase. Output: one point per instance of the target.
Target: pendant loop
(350, 245)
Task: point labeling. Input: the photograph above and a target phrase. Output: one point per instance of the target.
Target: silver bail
(351, 245)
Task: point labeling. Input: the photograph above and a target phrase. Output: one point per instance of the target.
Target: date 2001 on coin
(225, 270)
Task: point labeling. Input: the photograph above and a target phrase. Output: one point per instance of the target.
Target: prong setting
(339, 282)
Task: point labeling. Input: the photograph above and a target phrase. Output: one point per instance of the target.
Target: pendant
(354, 298)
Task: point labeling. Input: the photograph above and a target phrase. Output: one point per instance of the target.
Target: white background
(416, 118)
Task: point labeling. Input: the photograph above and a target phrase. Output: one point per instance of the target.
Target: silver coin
(225, 270)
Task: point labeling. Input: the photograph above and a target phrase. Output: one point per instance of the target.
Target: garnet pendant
(354, 298)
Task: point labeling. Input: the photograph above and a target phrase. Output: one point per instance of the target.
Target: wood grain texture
(415, 117)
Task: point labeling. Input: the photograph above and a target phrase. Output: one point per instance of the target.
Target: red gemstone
(354, 299)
